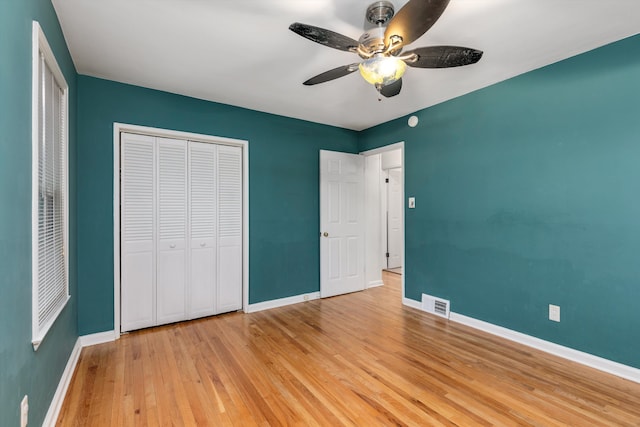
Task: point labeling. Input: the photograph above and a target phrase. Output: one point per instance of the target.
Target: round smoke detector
(380, 12)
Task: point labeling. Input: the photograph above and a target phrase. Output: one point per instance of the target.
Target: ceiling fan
(383, 61)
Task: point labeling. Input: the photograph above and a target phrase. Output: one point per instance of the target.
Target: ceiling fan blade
(442, 56)
(325, 37)
(332, 74)
(414, 19)
(392, 89)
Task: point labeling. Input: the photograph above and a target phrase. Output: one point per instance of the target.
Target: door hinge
(386, 180)
(387, 254)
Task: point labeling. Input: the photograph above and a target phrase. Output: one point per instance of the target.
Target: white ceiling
(240, 52)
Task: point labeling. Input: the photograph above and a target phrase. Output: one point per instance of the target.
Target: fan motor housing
(373, 40)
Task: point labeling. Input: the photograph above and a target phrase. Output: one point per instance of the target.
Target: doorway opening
(361, 219)
(384, 219)
(392, 225)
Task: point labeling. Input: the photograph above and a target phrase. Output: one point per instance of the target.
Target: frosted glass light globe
(382, 70)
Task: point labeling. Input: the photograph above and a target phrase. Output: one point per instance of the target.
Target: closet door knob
(325, 234)
(173, 245)
(203, 244)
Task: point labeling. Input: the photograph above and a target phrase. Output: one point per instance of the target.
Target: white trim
(245, 225)
(40, 45)
(116, 229)
(281, 302)
(167, 133)
(605, 365)
(58, 397)
(65, 380)
(412, 303)
(35, 132)
(98, 338)
(382, 149)
(375, 283)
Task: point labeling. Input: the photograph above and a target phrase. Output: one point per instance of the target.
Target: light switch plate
(554, 312)
(412, 202)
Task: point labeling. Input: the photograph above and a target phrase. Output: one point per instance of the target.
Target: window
(49, 188)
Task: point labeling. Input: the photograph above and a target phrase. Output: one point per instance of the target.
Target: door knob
(203, 244)
(325, 234)
(173, 245)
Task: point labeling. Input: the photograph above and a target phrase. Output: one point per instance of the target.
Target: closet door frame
(119, 128)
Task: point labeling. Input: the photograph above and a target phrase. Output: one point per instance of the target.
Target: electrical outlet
(554, 312)
(24, 411)
(306, 297)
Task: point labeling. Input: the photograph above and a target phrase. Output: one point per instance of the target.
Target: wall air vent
(437, 306)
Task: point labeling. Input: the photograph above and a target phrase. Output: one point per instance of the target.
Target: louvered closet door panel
(137, 231)
(202, 227)
(229, 229)
(172, 230)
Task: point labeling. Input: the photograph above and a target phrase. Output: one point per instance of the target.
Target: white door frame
(392, 147)
(166, 133)
(387, 226)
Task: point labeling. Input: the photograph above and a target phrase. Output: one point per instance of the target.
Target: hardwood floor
(360, 359)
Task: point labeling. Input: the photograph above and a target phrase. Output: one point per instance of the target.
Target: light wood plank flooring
(361, 359)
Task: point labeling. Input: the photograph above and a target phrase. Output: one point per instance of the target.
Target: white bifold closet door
(172, 231)
(203, 226)
(137, 240)
(230, 228)
(181, 208)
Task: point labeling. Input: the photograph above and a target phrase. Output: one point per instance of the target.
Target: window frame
(40, 46)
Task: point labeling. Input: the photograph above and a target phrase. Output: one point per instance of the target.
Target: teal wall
(283, 187)
(23, 371)
(528, 193)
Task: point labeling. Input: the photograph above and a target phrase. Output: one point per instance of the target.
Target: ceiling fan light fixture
(381, 46)
(382, 70)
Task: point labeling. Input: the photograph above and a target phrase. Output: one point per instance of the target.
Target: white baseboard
(412, 303)
(375, 283)
(596, 362)
(58, 397)
(99, 338)
(281, 302)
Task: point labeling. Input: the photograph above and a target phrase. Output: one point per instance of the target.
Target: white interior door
(341, 223)
(394, 218)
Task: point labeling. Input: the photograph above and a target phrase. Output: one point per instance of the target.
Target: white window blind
(49, 182)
